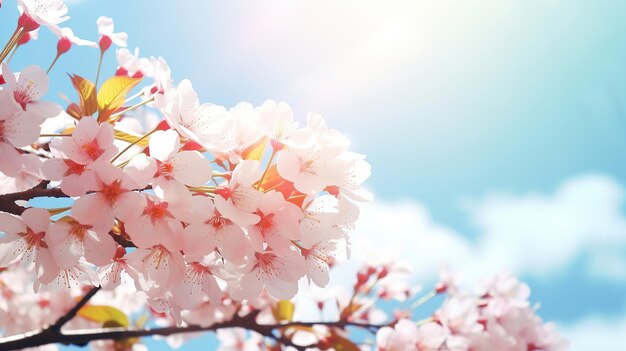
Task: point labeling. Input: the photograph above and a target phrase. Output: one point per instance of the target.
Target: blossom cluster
(177, 212)
(201, 203)
(499, 317)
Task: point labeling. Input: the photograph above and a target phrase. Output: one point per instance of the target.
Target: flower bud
(104, 43)
(27, 23)
(63, 46)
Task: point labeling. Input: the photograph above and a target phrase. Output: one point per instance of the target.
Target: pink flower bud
(121, 71)
(24, 39)
(104, 43)
(27, 23)
(276, 145)
(63, 46)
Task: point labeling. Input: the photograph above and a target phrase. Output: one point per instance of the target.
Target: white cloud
(534, 234)
(596, 334)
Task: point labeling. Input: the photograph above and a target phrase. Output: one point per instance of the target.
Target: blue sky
(478, 117)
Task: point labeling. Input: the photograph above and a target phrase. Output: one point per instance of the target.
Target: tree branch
(7, 201)
(72, 313)
(84, 336)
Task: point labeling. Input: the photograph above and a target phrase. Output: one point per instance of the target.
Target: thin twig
(72, 313)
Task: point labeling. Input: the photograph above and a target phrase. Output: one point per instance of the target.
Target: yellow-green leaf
(113, 93)
(283, 311)
(129, 138)
(255, 151)
(107, 315)
(87, 93)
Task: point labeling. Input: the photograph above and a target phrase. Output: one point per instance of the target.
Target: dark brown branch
(84, 336)
(7, 201)
(72, 313)
(121, 240)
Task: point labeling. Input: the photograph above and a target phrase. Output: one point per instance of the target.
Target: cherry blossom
(67, 39)
(176, 168)
(44, 12)
(89, 143)
(27, 177)
(27, 89)
(278, 271)
(71, 240)
(279, 222)
(106, 29)
(131, 64)
(112, 196)
(198, 283)
(206, 124)
(112, 274)
(278, 124)
(24, 241)
(239, 199)
(160, 268)
(17, 129)
(155, 224)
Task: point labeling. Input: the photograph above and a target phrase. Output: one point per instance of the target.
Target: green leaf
(112, 95)
(87, 93)
(283, 311)
(107, 315)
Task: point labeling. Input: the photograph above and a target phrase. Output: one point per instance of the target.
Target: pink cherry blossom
(278, 124)
(214, 232)
(246, 131)
(70, 241)
(131, 64)
(80, 273)
(75, 178)
(27, 89)
(198, 283)
(112, 274)
(155, 224)
(239, 199)
(159, 268)
(279, 222)
(27, 177)
(402, 337)
(106, 29)
(278, 271)
(44, 12)
(176, 168)
(24, 240)
(206, 124)
(89, 142)
(67, 38)
(112, 197)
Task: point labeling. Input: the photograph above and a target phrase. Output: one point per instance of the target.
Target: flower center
(112, 191)
(157, 211)
(166, 170)
(266, 223)
(79, 230)
(74, 168)
(218, 222)
(267, 263)
(24, 94)
(92, 149)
